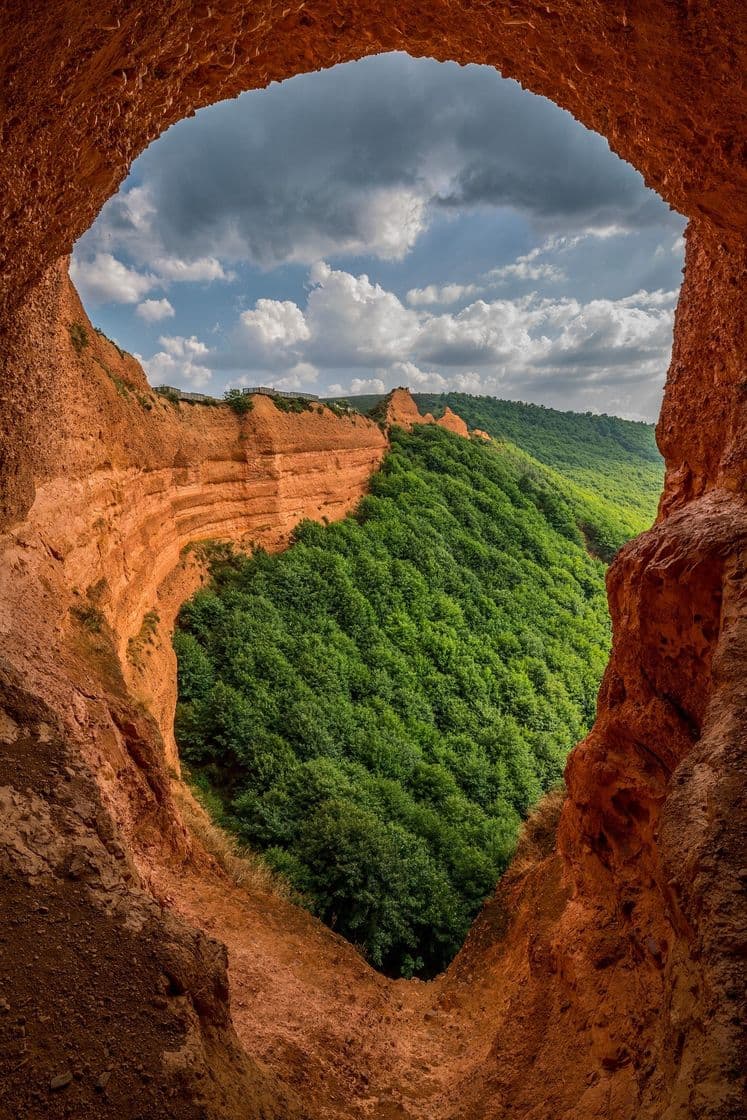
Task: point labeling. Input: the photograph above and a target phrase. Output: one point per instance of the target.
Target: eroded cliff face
(401, 411)
(90, 582)
(130, 480)
(606, 977)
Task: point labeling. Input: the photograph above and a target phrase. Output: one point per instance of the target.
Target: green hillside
(613, 458)
(606, 457)
(378, 707)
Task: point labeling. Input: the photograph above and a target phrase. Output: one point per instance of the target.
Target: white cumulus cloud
(181, 360)
(496, 332)
(303, 375)
(353, 321)
(441, 294)
(206, 269)
(569, 352)
(104, 279)
(390, 222)
(153, 310)
(358, 387)
(526, 267)
(274, 323)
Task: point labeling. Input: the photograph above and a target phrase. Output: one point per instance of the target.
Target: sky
(390, 222)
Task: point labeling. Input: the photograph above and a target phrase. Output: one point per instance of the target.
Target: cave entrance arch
(195, 138)
(87, 89)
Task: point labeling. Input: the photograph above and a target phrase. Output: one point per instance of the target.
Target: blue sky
(391, 221)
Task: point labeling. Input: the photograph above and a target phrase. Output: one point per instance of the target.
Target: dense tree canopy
(603, 456)
(377, 707)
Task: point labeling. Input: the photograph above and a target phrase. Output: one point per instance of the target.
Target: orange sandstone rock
(401, 411)
(453, 423)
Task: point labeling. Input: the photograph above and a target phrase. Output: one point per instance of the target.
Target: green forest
(377, 708)
(602, 456)
(617, 459)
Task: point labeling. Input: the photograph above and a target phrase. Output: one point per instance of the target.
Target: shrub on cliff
(240, 402)
(78, 337)
(291, 404)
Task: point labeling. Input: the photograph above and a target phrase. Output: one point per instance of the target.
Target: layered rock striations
(139, 479)
(90, 582)
(606, 977)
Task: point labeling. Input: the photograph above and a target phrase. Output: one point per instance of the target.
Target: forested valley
(377, 708)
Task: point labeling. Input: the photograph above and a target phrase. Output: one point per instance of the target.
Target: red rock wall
(400, 411)
(128, 480)
(118, 481)
(701, 431)
(604, 979)
(453, 423)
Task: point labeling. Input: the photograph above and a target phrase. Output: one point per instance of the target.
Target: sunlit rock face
(401, 411)
(453, 423)
(604, 978)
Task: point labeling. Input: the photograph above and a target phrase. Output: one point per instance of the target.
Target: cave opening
(624, 996)
(331, 237)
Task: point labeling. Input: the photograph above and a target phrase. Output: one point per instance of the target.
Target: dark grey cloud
(359, 158)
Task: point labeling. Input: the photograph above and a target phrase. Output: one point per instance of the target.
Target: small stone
(653, 947)
(61, 1081)
(102, 1081)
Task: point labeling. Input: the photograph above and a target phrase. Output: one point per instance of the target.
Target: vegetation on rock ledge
(240, 402)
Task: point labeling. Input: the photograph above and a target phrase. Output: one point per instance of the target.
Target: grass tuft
(245, 868)
(89, 616)
(78, 337)
(538, 833)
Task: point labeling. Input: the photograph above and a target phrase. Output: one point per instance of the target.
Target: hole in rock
(374, 711)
